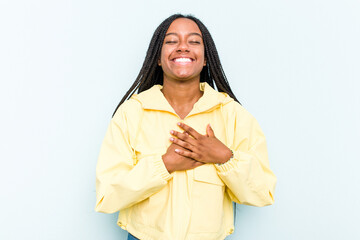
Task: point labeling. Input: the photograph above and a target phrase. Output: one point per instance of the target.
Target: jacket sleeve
(120, 182)
(247, 175)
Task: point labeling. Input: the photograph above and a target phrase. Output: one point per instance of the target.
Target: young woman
(178, 153)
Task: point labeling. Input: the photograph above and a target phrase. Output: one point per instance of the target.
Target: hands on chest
(191, 149)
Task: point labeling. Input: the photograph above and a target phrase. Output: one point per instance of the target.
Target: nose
(182, 47)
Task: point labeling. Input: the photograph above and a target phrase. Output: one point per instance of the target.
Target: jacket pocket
(207, 200)
(207, 174)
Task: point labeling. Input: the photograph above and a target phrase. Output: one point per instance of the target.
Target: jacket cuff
(229, 165)
(160, 169)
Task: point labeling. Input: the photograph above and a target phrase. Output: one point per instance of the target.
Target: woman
(178, 153)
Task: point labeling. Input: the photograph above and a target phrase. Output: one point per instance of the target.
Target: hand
(203, 148)
(175, 162)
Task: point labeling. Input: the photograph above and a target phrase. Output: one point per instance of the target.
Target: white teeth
(182, 60)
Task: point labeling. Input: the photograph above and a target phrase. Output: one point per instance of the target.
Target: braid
(151, 73)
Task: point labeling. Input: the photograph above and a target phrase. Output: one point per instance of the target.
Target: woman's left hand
(203, 148)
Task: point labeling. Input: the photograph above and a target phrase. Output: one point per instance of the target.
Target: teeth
(182, 60)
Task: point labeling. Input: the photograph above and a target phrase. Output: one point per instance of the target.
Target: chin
(186, 76)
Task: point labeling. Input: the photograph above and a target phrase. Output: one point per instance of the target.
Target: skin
(189, 149)
(181, 81)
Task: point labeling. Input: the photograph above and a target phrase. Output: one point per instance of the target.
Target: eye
(195, 42)
(170, 42)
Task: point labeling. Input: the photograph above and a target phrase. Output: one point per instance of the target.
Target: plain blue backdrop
(66, 64)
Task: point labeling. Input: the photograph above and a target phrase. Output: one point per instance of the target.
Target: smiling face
(182, 53)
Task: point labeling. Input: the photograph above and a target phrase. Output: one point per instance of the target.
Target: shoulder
(238, 115)
(235, 108)
(129, 109)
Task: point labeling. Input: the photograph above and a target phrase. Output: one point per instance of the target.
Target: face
(182, 53)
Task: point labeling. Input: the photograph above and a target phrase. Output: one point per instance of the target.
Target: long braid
(151, 73)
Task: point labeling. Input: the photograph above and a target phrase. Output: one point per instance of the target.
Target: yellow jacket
(193, 204)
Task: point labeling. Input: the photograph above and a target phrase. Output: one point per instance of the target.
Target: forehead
(183, 26)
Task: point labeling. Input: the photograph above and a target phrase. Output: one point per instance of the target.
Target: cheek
(201, 54)
(164, 56)
(202, 58)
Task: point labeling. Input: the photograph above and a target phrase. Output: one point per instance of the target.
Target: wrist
(166, 163)
(230, 155)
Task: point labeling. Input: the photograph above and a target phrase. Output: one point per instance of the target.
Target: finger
(209, 131)
(182, 143)
(183, 136)
(197, 163)
(186, 153)
(190, 130)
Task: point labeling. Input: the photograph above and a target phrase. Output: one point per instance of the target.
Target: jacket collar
(154, 99)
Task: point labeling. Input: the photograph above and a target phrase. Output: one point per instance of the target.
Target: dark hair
(151, 73)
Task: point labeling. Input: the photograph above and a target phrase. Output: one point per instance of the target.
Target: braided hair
(151, 73)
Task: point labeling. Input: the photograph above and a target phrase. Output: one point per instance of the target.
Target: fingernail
(177, 150)
(172, 132)
(171, 139)
(178, 123)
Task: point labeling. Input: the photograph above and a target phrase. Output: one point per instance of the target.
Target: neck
(179, 93)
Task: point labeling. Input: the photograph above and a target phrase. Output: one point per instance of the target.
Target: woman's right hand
(175, 162)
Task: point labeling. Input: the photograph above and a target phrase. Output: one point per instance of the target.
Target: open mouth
(183, 60)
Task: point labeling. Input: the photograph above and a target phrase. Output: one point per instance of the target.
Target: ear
(159, 62)
(205, 62)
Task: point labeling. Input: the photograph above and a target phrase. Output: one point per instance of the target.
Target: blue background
(295, 65)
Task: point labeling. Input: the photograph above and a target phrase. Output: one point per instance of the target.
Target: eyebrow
(193, 33)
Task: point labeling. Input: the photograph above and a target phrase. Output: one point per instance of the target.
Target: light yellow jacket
(195, 204)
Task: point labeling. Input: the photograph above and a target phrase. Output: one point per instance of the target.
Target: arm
(119, 182)
(247, 175)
